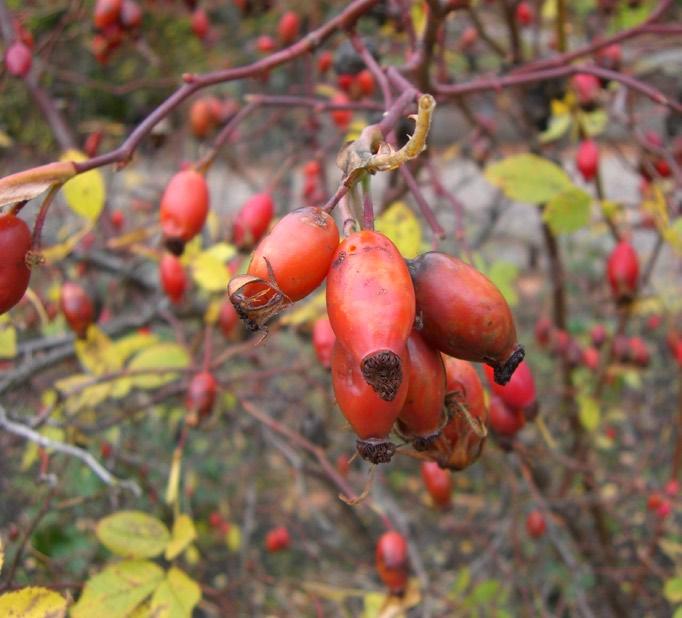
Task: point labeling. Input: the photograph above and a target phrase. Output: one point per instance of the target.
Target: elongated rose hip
(370, 416)
(370, 303)
(463, 314)
(422, 416)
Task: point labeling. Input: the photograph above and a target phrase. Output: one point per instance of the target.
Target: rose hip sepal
(463, 314)
(461, 441)
(370, 416)
(371, 307)
(423, 415)
(288, 264)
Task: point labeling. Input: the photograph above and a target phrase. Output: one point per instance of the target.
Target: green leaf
(176, 596)
(461, 583)
(32, 603)
(568, 211)
(133, 534)
(528, 178)
(588, 412)
(159, 356)
(672, 590)
(678, 612)
(118, 589)
(558, 125)
(594, 123)
(485, 592)
(401, 225)
(504, 275)
(182, 535)
(84, 193)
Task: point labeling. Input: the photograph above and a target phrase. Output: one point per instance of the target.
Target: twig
(424, 207)
(87, 458)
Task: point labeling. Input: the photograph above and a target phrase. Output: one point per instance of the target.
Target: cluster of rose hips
(404, 332)
(113, 20)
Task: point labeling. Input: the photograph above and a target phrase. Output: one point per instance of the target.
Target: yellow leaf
(96, 353)
(84, 193)
(5, 140)
(176, 596)
(160, 356)
(306, 312)
(233, 538)
(118, 589)
(549, 10)
(223, 251)
(129, 345)
(192, 555)
(213, 311)
(32, 603)
(588, 412)
(354, 129)
(325, 90)
(174, 477)
(31, 452)
(418, 13)
(8, 338)
(182, 535)
(401, 225)
(133, 534)
(210, 272)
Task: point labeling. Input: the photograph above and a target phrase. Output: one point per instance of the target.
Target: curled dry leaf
(369, 153)
(28, 184)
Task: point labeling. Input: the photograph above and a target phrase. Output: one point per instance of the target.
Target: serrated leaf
(558, 125)
(210, 272)
(31, 183)
(118, 589)
(8, 339)
(672, 590)
(176, 596)
(32, 603)
(133, 534)
(84, 193)
(159, 356)
(307, 311)
(568, 211)
(182, 535)
(588, 412)
(528, 178)
(401, 225)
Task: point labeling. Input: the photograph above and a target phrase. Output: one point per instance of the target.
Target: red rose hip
(15, 240)
(392, 561)
(371, 307)
(183, 210)
(464, 315)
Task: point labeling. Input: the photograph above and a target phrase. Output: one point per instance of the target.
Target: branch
(194, 83)
(517, 79)
(87, 458)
